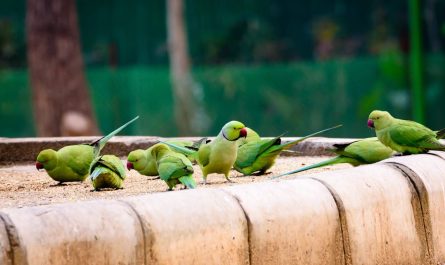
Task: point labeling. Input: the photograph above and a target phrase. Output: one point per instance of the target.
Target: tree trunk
(60, 95)
(189, 114)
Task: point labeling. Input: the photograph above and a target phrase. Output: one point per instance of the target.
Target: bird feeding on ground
(72, 163)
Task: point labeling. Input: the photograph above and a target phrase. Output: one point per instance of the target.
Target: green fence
(298, 97)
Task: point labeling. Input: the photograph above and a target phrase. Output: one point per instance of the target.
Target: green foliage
(298, 97)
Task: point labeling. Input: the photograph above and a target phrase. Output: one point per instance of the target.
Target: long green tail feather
(288, 145)
(188, 181)
(100, 143)
(184, 150)
(332, 161)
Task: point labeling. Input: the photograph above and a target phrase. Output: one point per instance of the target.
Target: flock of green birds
(236, 146)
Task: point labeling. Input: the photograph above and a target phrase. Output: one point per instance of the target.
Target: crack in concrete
(343, 222)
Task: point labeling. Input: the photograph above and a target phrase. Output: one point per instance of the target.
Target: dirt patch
(22, 185)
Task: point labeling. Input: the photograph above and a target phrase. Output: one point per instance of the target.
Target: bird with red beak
(219, 155)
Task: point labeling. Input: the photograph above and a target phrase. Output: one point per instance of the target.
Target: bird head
(251, 136)
(47, 159)
(379, 119)
(233, 130)
(136, 160)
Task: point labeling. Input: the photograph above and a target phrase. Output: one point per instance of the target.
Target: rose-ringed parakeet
(259, 155)
(174, 168)
(219, 155)
(365, 151)
(143, 162)
(107, 171)
(406, 137)
(72, 163)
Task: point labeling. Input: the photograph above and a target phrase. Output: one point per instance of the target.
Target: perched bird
(72, 163)
(365, 151)
(406, 137)
(251, 136)
(174, 168)
(259, 155)
(143, 162)
(219, 155)
(107, 171)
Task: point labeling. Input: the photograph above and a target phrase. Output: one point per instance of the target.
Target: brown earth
(22, 185)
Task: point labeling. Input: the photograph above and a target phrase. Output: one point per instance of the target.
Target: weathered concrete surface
(5, 248)
(380, 213)
(291, 222)
(193, 227)
(27, 149)
(97, 232)
(427, 172)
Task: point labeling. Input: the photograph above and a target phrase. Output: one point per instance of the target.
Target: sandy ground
(22, 185)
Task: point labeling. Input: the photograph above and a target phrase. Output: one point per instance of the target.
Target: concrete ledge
(291, 222)
(193, 227)
(97, 232)
(427, 172)
(27, 149)
(381, 218)
(387, 213)
(5, 248)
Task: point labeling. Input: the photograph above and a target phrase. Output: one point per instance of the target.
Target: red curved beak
(39, 166)
(243, 132)
(129, 166)
(370, 123)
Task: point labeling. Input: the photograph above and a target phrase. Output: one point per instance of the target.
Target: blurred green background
(295, 66)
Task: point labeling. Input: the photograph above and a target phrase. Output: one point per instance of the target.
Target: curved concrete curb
(387, 213)
(380, 213)
(96, 232)
(292, 222)
(192, 227)
(5, 248)
(427, 172)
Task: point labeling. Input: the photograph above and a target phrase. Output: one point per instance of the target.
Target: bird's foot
(261, 173)
(58, 184)
(229, 180)
(204, 182)
(402, 154)
(94, 190)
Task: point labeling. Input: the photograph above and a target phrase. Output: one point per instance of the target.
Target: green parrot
(365, 151)
(406, 137)
(219, 155)
(259, 155)
(143, 162)
(107, 171)
(72, 163)
(174, 168)
(251, 136)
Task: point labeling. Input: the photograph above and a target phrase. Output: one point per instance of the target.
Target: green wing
(413, 134)
(249, 152)
(204, 154)
(174, 166)
(111, 162)
(369, 150)
(77, 157)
